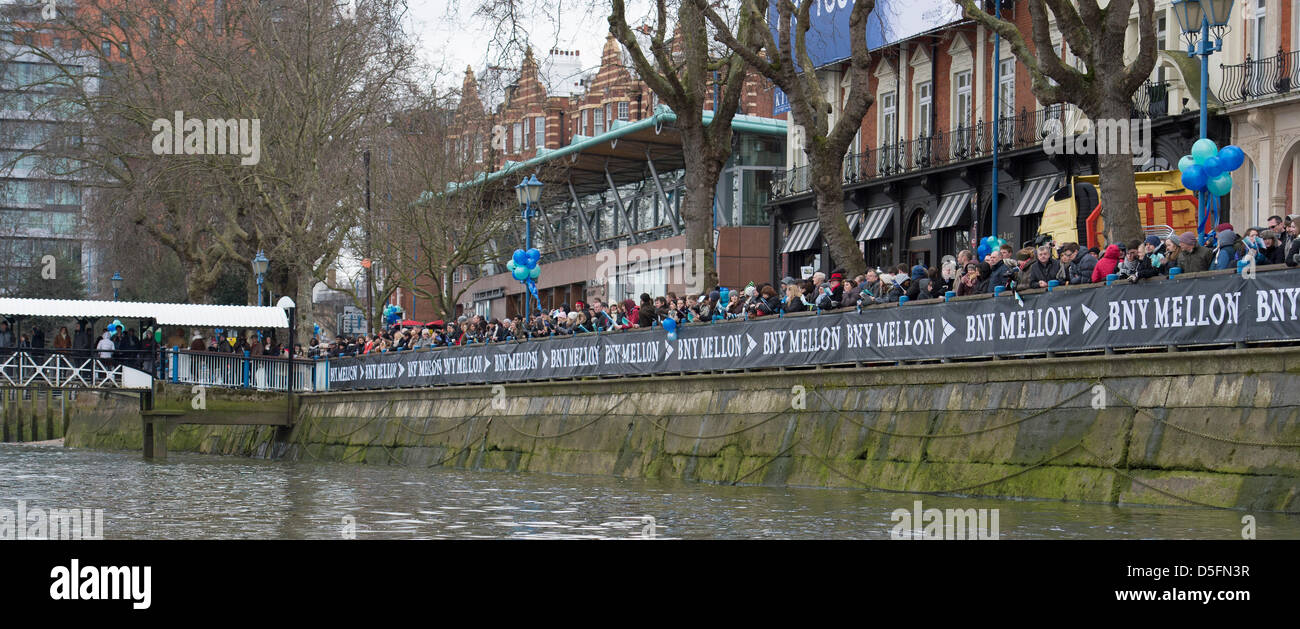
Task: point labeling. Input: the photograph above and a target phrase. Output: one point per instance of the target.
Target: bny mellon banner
(1218, 309)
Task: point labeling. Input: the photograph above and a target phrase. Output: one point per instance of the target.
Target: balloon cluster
(1207, 168)
(116, 326)
(989, 245)
(523, 264)
(392, 314)
(523, 267)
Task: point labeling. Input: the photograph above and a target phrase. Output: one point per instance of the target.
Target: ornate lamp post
(528, 192)
(1196, 18)
(260, 262)
(117, 284)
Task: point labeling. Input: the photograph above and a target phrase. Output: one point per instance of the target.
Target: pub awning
(877, 220)
(950, 209)
(1034, 195)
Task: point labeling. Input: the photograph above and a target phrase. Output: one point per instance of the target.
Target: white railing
(66, 371)
(244, 372)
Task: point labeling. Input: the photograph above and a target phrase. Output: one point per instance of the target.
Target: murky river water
(193, 496)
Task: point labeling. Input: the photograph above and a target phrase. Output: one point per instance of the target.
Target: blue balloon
(1231, 157)
(1204, 149)
(670, 325)
(520, 273)
(984, 250)
(1220, 185)
(1188, 161)
(533, 256)
(1212, 167)
(1194, 178)
(992, 242)
(520, 258)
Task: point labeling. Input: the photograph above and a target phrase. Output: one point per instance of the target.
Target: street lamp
(1196, 18)
(529, 192)
(117, 284)
(260, 262)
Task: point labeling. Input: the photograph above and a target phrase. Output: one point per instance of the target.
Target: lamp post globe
(260, 264)
(117, 283)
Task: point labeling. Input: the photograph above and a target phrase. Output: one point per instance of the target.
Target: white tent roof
(165, 314)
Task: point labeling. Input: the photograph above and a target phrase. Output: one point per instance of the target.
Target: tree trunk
(829, 189)
(697, 210)
(1119, 210)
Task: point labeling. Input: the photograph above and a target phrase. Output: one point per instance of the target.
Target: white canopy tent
(186, 315)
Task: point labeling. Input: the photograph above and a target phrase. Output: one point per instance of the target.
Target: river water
(193, 496)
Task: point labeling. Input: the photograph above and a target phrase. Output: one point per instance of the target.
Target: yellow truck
(1165, 207)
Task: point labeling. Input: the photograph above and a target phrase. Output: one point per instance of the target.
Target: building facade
(919, 178)
(609, 224)
(1260, 87)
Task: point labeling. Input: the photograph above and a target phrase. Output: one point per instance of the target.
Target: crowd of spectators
(1038, 266)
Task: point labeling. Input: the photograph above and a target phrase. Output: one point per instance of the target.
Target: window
(1257, 24)
(478, 149)
(219, 17)
(582, 123)
(599, 126)
(888, 117)
(1255, 210)
(924, 108)
(963, 101)
(126, 49)
(622, 110)
(539, 129)
(1007, 84)
(518, 137)
(106, 48)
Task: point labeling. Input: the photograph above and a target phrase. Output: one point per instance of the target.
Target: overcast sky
(453, 37)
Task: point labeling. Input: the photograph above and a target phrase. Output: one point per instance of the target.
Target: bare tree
(788, 65)
(680, 68)
(1104, 90)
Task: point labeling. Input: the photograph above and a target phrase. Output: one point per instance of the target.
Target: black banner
(1217, 309)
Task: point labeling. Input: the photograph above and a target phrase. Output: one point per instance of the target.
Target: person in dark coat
(1193, 258)
(1043, 269)
(645, 317)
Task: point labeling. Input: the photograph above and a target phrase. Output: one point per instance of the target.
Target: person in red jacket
(1107, 264)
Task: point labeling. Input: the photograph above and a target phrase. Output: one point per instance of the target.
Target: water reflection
(197, 497)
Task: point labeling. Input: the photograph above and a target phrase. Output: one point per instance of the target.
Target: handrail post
(176, 359)
(247, 370)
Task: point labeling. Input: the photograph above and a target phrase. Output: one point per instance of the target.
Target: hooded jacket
(1107, 264)
(1226, 254)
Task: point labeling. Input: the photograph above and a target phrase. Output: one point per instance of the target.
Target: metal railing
(261, 373)
(1260, 78)
(69, 369)
(1024, 130)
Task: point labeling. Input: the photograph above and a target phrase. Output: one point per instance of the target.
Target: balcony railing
(1023, 130)
(1261, 78)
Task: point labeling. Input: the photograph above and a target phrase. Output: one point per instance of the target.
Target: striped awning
(1034, 195)
(951, 208)
(854, 219)
(802, 236)
(877, 220)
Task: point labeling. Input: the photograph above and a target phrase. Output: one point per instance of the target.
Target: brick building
(918, 180)
(611, 160)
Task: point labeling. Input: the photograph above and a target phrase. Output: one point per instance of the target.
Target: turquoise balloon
(534, 272)
(1231, 157)
(520, 273)
(1204, 149)
(1186, 162)
(1220, 185)
(510, 264)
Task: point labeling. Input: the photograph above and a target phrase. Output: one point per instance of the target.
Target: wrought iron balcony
(1260, 78)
